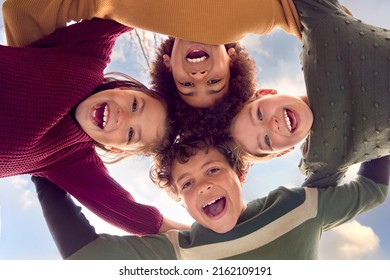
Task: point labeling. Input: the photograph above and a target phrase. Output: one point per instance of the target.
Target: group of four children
(344, 118)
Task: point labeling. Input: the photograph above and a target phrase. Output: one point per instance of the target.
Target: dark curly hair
(214, 120)
(187, 146)
(114, 80)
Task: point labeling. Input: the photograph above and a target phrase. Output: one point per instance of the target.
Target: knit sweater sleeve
(87, 180)
(28, 20)
(96, 37)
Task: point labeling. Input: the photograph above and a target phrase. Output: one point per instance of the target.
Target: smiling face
(210, 189)
(122, 118)
(201, 72)
(272, 124)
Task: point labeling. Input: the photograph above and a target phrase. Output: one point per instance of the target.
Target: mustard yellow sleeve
(211, 22)
(26, 21)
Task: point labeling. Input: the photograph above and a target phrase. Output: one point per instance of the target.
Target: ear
(263, 92)
(241, 177)
(231, 52)
(167, 61)
(282, 153)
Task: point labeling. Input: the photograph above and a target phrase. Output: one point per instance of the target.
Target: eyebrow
(210, 92)
(203, 165)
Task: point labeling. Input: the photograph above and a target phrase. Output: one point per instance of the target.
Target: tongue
(215, 208)
(196, 54)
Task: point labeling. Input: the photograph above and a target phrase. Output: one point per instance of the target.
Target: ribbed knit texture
(39, 86)
(205, 21)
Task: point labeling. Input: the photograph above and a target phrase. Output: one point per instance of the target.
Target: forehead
(118, 92)
(277, 98)
(202, 100)
(200, 159)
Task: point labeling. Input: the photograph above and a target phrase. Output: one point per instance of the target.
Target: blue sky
(23, 232)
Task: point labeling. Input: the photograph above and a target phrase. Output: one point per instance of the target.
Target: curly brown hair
(187, 146)
(214, 120)
(114, 80)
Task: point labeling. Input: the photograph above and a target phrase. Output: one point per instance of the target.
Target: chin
(222, 229)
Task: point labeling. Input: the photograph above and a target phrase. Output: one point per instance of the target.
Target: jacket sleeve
(87, 180)
(370, 188)
(68, 226)
(210, 22)
(378, 170)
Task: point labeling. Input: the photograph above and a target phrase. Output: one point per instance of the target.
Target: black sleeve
(68, 226)
(377, 170)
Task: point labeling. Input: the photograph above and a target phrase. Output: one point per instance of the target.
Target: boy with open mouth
(207, 175)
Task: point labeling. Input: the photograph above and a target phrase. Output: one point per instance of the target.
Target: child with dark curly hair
(207, 176)
(208, 84)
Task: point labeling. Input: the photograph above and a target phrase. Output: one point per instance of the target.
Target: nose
(205, 187)
(275, 124)
(122, 116)
(198, 75)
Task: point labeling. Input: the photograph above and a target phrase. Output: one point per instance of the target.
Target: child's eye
(212, 171)
(186, 185)
(134, 105)
(187, 84)
(213, 82)
(259, 115)
(267, 141)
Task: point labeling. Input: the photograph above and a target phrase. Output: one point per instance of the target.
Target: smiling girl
(124, 117)
(272, 124)
(57, 107)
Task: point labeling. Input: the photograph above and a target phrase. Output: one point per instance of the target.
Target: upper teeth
(211, 202)
(199, 59)
(105, 116)
(287, 119)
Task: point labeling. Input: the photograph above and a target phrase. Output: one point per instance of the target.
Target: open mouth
(100, 115)
(215, 207)
(196, 56)
(290, 120)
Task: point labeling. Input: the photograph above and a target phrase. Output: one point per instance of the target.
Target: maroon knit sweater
(39, 86)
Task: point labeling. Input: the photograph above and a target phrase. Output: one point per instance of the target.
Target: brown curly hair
(187, 146)
(114, 80)
(214, 120)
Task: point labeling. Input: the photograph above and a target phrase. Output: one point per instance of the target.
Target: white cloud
(118, 54)
(350, 241)
(19, 182)
(351, 173)
(17, 189)
(289, 84)
(254, 43)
